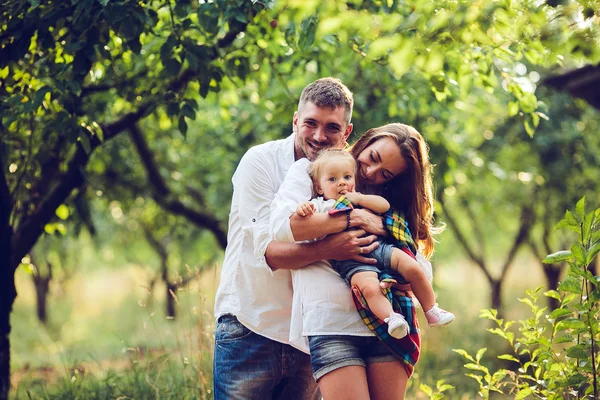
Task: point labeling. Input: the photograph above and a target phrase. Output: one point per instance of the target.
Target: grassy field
(108, 336)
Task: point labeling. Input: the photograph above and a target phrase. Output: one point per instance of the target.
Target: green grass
(108, 336)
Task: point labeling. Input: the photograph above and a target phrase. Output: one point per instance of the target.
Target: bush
(555, 354)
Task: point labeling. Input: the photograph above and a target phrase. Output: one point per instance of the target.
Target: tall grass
(109, 337)
(148, 356)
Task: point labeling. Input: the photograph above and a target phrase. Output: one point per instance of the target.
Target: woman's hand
(367, 220)
(348, 245)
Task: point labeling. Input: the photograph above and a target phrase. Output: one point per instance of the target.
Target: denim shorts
(248, 366)
(383, 255)
(330, 352)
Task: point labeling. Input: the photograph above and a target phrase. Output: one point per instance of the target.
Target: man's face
(319, 128)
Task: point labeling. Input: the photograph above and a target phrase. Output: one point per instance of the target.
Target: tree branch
(6, 201)
(32, 226)
(164, 196)
(527, 220)
(462, 240)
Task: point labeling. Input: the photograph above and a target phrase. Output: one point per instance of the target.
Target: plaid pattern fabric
(406, 349)
(341, 205)
(398, 228)
(394, 222)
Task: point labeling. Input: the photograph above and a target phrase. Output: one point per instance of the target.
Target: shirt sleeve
(254, 183)
(295, 189)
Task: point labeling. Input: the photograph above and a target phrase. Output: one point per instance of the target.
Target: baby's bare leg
(409, 268)
(368, 283)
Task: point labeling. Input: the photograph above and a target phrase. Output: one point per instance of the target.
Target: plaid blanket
(395, 223)
(406, 349)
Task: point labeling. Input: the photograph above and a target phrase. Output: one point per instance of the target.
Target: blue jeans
(383, 255)
(249, 366)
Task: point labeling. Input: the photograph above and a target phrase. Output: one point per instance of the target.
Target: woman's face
(380, 162)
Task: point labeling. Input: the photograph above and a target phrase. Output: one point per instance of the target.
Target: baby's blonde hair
(315, 169)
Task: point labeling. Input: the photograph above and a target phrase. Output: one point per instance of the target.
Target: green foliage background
(123, 117)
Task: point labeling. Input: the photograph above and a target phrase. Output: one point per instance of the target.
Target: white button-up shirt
(322, 302)
(260, 298)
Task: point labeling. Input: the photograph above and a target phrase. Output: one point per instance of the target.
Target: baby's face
(337, 178)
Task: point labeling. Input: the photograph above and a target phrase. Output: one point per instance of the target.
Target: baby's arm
(371, 201)
(305, 209)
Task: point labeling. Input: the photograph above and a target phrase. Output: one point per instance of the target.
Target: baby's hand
(354, 197)
(305, 209)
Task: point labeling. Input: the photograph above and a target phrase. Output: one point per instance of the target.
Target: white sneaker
(397, 325)
(438, 317)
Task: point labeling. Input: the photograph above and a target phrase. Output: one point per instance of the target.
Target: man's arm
(321, 224)
(339, 246)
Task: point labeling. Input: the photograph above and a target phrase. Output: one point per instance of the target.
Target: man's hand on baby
(350, 245)
(368, 221)
(305, 209)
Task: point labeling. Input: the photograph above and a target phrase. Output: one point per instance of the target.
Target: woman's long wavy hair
(411, 192)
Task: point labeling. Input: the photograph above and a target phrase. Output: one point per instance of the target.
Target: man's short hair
(328, 93)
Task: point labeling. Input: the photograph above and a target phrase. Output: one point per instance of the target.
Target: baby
(334, 175)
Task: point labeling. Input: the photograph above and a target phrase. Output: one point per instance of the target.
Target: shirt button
(253, 219)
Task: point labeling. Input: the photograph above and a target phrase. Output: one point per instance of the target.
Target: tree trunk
(42, 284)
(552, 273)
(8, 293)
(171, 311)
(496, 295)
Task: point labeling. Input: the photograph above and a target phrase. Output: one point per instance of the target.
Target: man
(253, 359)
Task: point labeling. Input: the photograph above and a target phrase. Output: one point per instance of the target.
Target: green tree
(77, 75)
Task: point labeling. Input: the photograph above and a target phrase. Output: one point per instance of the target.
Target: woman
(348, 361)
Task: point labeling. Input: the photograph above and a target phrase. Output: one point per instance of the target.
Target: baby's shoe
(438, 317)
(397, 325)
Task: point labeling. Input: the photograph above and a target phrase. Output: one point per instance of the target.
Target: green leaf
(39, 96)
(103, 2)
(587, 225)
(183, 127)
(172, 66)
(62, 212)
(570, 285)
(489, 314)
(464, 354)
(568, 338)
(593, 251)
(570, 323)
(522, 393)
(578, 351)
(559, 256)
(426, 389)
(580, 209)
(553, 294)
(513, 108)
(579, 252)
(209, 20)
(560, 312)
(508, 357)
(85, 141)
(307, 32)
(187, 111)
(480, 353)
(528, 128)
